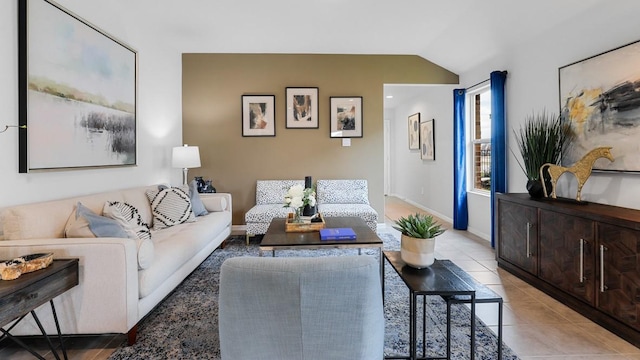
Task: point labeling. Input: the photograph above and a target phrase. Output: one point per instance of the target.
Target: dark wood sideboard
(585, 255)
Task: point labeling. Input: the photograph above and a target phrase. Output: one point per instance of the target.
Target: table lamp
(185, 157)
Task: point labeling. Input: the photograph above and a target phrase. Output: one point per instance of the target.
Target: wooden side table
(22, 296)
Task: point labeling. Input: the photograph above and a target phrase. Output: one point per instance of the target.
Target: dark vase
(534, 187)
(309, 210)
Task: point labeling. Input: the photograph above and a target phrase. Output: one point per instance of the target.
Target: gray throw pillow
(196, 203)
(99, 225)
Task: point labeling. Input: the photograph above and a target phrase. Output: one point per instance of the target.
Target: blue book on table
(337, 234)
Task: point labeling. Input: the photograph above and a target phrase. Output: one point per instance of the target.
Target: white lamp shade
(185, 157)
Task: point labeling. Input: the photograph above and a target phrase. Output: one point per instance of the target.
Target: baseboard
(238, 229)
(422, 207)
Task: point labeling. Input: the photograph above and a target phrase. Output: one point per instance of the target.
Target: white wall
(532, 85)
(159, 116)
(427, 184)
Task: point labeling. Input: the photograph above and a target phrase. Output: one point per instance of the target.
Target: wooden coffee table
(277, 239)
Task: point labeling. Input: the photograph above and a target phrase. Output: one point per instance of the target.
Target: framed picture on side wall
(600, 100)
(427, 140)
(77, 92)
(414, 131)
(302, 108)
(258, 115)
(346, 116)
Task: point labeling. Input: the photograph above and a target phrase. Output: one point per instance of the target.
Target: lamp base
(184, 176)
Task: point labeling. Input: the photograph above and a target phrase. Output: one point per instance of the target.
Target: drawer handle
(602, 286)
(528, 239)
(582, 261)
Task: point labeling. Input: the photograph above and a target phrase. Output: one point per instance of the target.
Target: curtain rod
(474, 85)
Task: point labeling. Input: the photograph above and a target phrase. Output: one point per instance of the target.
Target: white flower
(296, 202)
(296, 191)
(297, 197)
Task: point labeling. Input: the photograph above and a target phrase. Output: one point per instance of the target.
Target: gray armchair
(301, 308)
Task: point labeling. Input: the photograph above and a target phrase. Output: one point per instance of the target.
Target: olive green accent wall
(212, 87)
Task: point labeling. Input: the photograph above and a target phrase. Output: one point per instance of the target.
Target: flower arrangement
(298, 197)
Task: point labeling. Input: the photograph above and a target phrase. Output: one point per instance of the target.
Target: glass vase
(297, 212)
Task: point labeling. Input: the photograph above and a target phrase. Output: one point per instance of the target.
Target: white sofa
(113, 295)
(334, 198)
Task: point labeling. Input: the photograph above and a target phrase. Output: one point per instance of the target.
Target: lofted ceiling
(444, 31)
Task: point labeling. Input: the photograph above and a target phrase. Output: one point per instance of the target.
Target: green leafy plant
(541, 140)
(419, 226)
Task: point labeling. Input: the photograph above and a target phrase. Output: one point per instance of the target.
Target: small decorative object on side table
(12, 269)
(418, 239)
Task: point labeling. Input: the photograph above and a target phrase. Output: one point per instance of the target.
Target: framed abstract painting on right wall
(600, 99)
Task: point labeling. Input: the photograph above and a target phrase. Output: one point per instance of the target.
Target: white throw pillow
(171, 206)
(129, 218)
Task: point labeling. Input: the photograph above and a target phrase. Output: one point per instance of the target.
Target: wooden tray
(290, 226)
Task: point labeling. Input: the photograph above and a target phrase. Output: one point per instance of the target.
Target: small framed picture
(258, 115)
(427, 146)
(414, 132)
(346, 116)
(302, 108)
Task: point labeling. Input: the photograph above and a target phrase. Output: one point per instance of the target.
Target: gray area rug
(185, 324)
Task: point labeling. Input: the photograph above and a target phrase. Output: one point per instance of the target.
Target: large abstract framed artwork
(600, 98)
(346, 116)
(302, 108)
(77, 92)
(258, 115)
(414, 131)
(427, 140)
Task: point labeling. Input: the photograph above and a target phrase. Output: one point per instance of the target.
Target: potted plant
(541, 140)
(418, 240)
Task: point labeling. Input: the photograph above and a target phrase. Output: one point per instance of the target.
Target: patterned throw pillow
(170, 206)
(129, 218)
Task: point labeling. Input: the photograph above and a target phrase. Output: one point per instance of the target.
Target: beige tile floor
(536, 326)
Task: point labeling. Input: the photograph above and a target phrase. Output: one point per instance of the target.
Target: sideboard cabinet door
(518, 235)
(567, 254)
(619, 273)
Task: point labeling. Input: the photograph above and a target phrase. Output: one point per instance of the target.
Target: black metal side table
(23, 295)
(438, 280)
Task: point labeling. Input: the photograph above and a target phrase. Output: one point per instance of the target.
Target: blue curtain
(498, 143)
(460, 211)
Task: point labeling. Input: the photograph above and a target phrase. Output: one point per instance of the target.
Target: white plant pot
(417, 253)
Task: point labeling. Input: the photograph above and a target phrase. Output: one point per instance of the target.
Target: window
(479, 107)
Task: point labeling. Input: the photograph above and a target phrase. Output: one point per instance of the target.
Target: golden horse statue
(581, 169)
